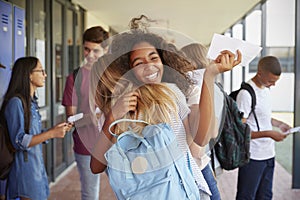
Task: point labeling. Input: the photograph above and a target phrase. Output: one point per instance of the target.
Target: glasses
(40, 70)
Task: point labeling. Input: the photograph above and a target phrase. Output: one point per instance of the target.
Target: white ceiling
(196, 19)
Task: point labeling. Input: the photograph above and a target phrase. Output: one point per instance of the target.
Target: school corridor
(67, 186)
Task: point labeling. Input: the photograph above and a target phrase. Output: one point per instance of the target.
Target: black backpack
(233, 142)
(248, 87)
(6, 149)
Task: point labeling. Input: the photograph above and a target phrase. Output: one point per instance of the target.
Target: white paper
(221, 42)
(75, 118)
(293, 130)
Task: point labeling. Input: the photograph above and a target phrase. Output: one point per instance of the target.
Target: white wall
(282, 93)
(91, 20)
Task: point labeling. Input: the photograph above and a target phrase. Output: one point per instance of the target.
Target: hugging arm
(123, 105)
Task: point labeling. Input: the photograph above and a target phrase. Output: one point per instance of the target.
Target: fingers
(132, 101)
(227, 60)
(125, 104)
(68, 127)
(239, 58)
(61, 124)
(230, 57)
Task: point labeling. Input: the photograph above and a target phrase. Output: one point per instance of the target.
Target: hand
(69, 126)
(277, 136)
(60, 129)
(226, 60)
(124, 104)
(284, 127)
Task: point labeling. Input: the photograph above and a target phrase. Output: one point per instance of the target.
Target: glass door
(58, 53)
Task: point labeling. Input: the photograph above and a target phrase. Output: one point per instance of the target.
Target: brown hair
(96, 34)
(196, 52)
(155, 104)
(175, 64)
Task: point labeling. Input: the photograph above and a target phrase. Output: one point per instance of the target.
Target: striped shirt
(179, 131)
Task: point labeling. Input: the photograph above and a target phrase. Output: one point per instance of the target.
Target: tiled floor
(67, 186)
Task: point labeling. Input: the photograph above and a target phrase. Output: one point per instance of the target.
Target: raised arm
(207, 120)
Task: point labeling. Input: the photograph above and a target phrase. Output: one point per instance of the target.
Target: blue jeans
(90, 183)
(3, 187)
(255, 180)
(212, 183)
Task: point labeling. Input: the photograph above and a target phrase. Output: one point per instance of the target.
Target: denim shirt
(26, 178)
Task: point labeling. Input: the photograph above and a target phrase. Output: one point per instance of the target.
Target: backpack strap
(123, 120)
(248, 87)
(77, 77)
(150, 152)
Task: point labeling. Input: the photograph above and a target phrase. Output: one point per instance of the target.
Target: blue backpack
(150, 166)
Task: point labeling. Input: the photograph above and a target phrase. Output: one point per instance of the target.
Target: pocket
(157, 189)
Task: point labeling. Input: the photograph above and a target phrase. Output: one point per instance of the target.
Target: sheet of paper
(293, 130)
(75, 118)
(221, 42)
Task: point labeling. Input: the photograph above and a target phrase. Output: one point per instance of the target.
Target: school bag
(233, 142)
(150, 165)
(247, 87)
(7, 150)
(77, 77)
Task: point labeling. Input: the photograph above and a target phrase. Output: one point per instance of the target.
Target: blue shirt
(26, 178)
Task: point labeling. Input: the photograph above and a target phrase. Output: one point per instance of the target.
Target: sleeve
(243, 101)
(14, 114)
(183, 108)
(69, 96)
(194, 96)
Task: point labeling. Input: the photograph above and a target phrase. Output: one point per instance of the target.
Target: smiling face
(92, 51)
(146, 63)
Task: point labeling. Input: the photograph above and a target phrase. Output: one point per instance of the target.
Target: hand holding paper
(293, 130)
(221, 42)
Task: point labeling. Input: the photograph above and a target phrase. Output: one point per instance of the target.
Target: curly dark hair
(171, 57)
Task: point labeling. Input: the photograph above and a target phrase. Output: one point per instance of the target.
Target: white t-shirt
(260, 148)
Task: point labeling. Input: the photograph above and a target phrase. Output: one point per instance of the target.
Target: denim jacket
(26, 178)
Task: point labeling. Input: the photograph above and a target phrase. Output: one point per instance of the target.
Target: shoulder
(173, 87)
(72, 75)
(15, 100)
(243, 95)
(15, 103)
(197, 75)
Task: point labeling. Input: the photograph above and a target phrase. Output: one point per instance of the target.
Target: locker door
(19, 32)
(6, 34)
(6, 46)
